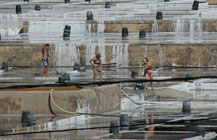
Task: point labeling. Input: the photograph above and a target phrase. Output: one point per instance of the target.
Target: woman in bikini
(96, 62)
(148, 72)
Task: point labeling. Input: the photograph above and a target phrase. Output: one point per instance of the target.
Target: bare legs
(148, 75)
(151, 77)
(95, 72)
(45, 71)
(100, 75)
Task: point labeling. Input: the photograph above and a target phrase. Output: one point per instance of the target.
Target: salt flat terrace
(158, 116)
(180, 24)
(161, 117)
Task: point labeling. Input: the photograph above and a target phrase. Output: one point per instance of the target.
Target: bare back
(45, 52)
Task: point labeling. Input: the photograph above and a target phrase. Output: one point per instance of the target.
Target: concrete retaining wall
(103, 99)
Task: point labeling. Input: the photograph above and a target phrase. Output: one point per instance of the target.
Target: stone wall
(134, 26)
(174, 54)
(211, 2)
(99, 100)
(210, 25)
(158, 54)
(123, 55)
(23, 54)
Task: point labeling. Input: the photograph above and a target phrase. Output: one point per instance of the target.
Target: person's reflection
(140, 95)
(150, 124)
(149, 96)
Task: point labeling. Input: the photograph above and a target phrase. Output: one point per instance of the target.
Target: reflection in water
(147, 95)
(115, 136)
(29, 136)
(150, 130)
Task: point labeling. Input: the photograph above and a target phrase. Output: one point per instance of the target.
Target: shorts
(45, 61)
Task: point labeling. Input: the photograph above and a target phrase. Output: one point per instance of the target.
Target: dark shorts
(45, 61)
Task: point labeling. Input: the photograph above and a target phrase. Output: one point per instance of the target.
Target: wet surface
(47, 25)
(158, 118)
(150, 117)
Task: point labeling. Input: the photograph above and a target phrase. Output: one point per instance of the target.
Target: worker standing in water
(96, 63)
(147, 68)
